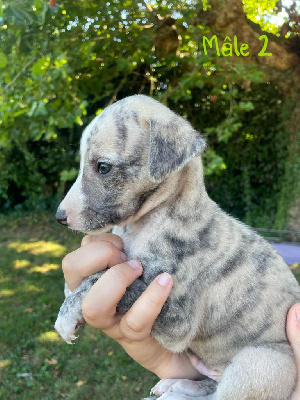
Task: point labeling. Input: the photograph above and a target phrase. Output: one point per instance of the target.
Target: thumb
(293, 334)
(293, 331)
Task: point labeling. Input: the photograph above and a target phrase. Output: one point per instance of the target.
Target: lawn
(34, 362)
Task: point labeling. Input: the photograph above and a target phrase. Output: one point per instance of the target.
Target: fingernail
(164, 279)
(134, 264)
(123, 256)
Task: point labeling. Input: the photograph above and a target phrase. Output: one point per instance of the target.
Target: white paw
(184, 387)
(67, 328)
(163, 386)
(175, 396)
(70, 316)
(150, 398)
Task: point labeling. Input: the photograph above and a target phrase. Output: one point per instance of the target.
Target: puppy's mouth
(91, 221)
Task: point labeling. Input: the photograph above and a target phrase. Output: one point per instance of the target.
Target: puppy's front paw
(70, 316)
(67, 327)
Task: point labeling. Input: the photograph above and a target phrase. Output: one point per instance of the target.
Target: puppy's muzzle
(61, 216)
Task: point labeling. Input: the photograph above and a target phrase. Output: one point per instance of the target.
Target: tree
(229, 18)
(283, 67)
(62, 65)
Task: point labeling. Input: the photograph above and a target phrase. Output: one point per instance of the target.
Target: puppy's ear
(172, 145)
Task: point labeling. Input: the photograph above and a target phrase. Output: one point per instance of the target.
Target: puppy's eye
(103, 168)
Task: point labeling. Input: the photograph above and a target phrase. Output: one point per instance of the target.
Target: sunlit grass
(18, 264)
(50, 336)
(5, 363)
(6, 292)
(33, 288)
(43, 269)
(38, 247)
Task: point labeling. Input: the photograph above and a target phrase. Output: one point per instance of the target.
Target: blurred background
(61, 64)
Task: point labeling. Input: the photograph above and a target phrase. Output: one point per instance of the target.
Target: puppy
(141, 173)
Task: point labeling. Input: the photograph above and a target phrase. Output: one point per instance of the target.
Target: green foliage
(291, 183)
(260, 12)
(3, 60)
(60, 66)
(247, 148)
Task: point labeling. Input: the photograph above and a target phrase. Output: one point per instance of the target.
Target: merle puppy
(141, 173)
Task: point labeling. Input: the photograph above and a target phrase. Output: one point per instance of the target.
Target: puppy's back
(246, 295)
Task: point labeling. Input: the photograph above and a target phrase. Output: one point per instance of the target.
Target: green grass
(31, 292)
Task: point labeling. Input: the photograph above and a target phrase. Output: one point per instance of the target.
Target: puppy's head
(126, 153)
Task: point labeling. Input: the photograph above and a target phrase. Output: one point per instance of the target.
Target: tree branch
(118, 88)
(19, 74)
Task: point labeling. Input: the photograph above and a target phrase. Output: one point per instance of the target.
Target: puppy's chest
(147, 247)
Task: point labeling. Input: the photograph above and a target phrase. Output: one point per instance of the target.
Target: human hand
(133, 329)
(293, 333)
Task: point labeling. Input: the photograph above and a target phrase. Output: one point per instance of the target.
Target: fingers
(89, 259)
(293, 330)
(293, 333)
(109, 237)
(137, 322)
(99, 305)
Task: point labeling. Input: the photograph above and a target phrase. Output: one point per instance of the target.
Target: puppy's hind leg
(259, 373)
(181, 396)
(185, 386)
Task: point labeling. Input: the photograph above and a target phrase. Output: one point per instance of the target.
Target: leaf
(33, 108)
(68, 175)
(60, 62)
(20, 14)
(3, 60)
(214, 163)
(40, 67)
(246, 105)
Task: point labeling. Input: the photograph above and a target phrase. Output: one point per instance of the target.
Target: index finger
(89, 259)
(108, 237)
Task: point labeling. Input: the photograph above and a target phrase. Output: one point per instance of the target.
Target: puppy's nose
(61, 216)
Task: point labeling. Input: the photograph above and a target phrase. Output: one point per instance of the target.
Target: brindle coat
(231, 289)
